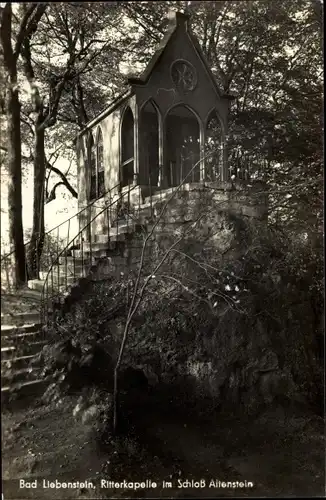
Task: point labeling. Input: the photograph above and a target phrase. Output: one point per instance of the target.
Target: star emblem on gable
(183, 75)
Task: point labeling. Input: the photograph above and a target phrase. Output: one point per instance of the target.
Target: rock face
(225, 354)
(205, 218)
(244, 375)
(232, 350)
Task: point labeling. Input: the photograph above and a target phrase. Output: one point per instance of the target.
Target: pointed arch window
(100, 164)
(96, 163)
(182, 151)
(127, 148)
(214, 147)
(149, 143)
(92, 166)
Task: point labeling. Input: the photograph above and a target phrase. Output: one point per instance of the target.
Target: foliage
(269, 55)
(267, 303)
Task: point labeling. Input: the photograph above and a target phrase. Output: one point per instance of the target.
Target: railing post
(117, 218)
(52, 287)
(66, 257)
(55, 260)
(109, 210)
(202, 141)
(36, 256)
(82, 254)
(161, 175)
(73, 258)
(7, 274)
(150, 194)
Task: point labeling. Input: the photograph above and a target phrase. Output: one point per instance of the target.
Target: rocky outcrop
(224, 351)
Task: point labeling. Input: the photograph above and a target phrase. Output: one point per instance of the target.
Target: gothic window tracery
(183, 75)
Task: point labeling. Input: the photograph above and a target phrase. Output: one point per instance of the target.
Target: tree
(11, 41)
(70, 32)
(269, 55)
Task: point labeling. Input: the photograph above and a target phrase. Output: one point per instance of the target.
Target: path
(283, 456)
(46, 442)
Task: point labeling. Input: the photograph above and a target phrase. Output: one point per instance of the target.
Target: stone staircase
(111, 251)
(117, 245)
(21, 341)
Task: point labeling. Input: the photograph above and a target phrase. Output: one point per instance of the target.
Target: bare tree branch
(52, 195)
(64, 181)
(28, 24)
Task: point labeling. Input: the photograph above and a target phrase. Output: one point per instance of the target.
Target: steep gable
(179, 73)
(178, 21)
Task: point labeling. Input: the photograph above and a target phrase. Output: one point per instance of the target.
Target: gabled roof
(177, 20)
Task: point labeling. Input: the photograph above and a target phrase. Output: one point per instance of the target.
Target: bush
(245, 332)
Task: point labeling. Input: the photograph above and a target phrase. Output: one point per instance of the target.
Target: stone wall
(202, 218)
(233, 358)
(239, 356)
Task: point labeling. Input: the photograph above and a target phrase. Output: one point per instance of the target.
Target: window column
(100, 165)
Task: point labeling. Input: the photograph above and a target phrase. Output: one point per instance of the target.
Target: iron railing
(76, 259)
(248, 166)
(80, 253)
(53, 242)
(243, 166)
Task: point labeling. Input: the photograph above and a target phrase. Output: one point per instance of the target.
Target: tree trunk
(37, 237)
(16, 237)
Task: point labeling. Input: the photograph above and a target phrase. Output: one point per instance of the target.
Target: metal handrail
(127, 161)
(71, 242)
(67, 220)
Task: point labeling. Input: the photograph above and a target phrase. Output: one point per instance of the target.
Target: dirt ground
(282, 453)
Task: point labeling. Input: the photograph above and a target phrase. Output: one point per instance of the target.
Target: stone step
(112, 235)
(39, 285)
(112, 247)
(100, 238)
(62, 279)
(36, 285)
(113, 261)
(18, 350)
(159, 195)
(21, 338)
(11, 330)
(18, 362)
(96, 254)
(75, 264)
(94, 247)
(10, 377)
(63, 263)
(19, 319)
(27, 293)
(70, 268)
(166, 193)
(145, 214)
(24, 390)
(123, 227)
(103, 243)
(103, 240)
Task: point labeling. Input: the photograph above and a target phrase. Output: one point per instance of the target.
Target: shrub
(218, 335)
